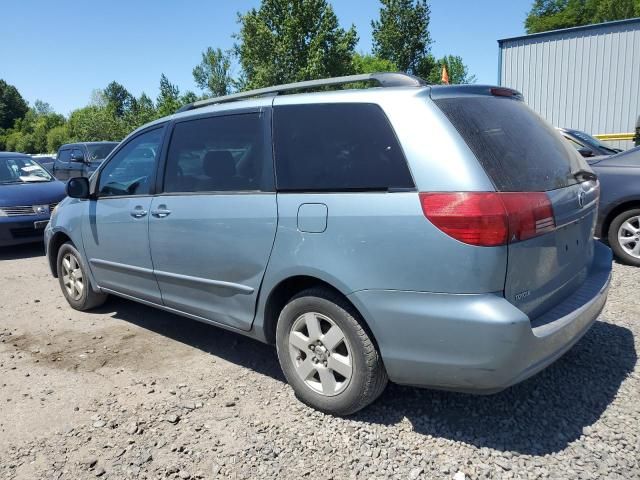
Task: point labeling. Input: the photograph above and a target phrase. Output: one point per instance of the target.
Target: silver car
(437, 236)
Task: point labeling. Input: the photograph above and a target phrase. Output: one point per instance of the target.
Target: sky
(61, 51)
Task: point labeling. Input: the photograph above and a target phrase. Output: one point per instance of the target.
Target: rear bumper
(19, 230)
(477, 343)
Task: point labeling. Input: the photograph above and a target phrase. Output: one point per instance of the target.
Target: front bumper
(477, 343)
(22, 229)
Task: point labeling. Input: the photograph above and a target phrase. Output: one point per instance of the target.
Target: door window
(131, 170)
(76, 155)
(64, 155)
(216, 154)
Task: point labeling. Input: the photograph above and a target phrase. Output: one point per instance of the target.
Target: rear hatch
(520, 152)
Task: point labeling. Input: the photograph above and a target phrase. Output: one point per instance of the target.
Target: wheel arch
(57, 240)
(284, 290)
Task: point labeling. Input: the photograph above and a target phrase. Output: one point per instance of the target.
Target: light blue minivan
(437, 236)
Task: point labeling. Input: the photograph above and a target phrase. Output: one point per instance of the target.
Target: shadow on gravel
(539, 416)
(229, 346)
(18, 252)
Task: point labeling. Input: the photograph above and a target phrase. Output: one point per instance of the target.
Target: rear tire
(624, 237)
(74, 280)
(327, 355)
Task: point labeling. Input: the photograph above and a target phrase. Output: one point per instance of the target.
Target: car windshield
(22, 170)
(100, 151)
(589, 140)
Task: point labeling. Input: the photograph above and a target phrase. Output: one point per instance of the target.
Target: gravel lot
(132, 392)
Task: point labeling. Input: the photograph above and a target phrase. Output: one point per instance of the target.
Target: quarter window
(337, 147)
(130, 171)
(216, 154)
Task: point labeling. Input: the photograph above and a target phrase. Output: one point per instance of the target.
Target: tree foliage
(548, 15)
(168, 100)
(213, 73)
(401, 34)
(364, 63)
(286, 41)
(12, 105)
(118, 98)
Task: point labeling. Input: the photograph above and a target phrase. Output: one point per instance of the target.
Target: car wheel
(624, 237)
(327, 354)
(74, 280)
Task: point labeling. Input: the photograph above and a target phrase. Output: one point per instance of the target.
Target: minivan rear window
(337, 147)
(519, 151)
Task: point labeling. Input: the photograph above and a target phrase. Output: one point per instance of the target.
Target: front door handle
(160, 212)
(138, 212)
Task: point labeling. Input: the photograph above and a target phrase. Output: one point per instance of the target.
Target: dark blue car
(28, 194)
(619, 212)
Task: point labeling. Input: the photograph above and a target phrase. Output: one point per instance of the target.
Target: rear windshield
(519, 151)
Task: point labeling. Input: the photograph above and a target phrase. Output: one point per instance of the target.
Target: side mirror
(78, 187)
(77, 157)
(585, 152)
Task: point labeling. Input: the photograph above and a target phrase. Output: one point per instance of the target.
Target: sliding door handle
(160, 212)
(138, 212)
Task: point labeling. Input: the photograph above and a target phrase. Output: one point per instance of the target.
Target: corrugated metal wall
(583, 78)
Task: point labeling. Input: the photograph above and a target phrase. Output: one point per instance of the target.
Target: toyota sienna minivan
(436, 236)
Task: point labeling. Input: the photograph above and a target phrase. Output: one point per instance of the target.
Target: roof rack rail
(382, 79)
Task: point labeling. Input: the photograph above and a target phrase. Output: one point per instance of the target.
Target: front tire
(624, 237)
(74, 280)
(327, 354)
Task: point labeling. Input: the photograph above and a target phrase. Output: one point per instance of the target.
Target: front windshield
(594, 142)
(100, 151)
(22, 170)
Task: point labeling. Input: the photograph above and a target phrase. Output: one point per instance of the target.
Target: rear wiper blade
(584, 175)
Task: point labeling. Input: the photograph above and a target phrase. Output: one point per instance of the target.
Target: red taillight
(489, 219)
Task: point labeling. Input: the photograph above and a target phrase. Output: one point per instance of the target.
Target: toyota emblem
(581, 196)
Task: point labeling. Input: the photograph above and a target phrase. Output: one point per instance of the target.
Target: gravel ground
(132, 392)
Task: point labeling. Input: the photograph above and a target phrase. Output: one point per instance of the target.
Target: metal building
(586, 78)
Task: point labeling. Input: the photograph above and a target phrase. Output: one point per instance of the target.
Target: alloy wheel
(320, 353)
(72, 276)
(629, 236)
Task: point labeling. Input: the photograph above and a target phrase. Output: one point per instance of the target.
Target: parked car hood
(629, 158)
(39, 193)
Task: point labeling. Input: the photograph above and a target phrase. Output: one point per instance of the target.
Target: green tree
(42, 108)
(169, 97)
(293, 40)
(12, 105)
(118, 98)
(56, 137)
(188, 97)
(93, 123)
(548, 15)
(401, 35)
(364, 63)
(456, 69)
(142, 111)
(213, 73)
(29, 133)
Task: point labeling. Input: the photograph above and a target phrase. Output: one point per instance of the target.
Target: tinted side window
(64, 155)
(76, 155)
(212, 154)
(337, 147)
(130, 171)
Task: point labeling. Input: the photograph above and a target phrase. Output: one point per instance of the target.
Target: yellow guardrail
(614, 137)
